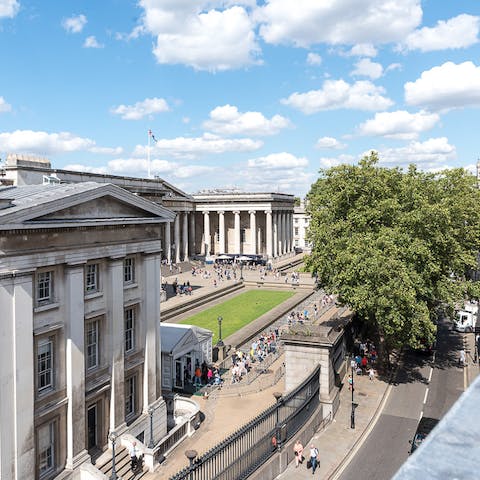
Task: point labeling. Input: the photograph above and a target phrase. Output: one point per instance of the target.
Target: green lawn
(238, 311)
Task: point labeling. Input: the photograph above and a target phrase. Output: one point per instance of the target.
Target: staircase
(122, 465)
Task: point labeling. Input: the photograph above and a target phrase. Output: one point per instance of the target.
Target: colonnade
(270, 233)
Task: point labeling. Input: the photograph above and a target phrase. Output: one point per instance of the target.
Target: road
(424, 385)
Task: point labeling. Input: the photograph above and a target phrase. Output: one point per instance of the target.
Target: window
(91, 278)
(46, 449)
(91, 344)
(129, 270)
(45, 287)
(296, 220)
(129, 329)
(297, 243)
(296, 230)
(130, 396)
(45, 364)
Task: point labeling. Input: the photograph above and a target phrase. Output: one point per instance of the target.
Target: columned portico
(168, 242)
(269, 233)
(275, 234)
(75, 363)
(178, 245)
(115, 321)
(236, 229)
(185, 236)
(206, 232)
(221, 232)
(253, 232)
(191, 232)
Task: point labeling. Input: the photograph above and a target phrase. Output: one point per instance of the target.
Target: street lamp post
(352, 415)
(278, 397)
(151, 410)
(113, 438)
(191, 454)
(241, 270)
(220, 341)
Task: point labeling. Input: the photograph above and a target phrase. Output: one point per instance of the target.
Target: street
(424, 385)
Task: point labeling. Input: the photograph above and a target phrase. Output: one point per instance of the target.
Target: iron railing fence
(236, 457)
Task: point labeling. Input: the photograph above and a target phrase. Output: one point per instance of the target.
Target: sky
(254, 95)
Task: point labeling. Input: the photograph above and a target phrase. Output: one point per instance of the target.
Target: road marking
(425, 397)
(430, 375)
(421, 415)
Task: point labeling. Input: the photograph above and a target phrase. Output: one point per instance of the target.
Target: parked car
(425, 426)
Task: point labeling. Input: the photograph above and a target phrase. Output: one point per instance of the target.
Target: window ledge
(127, 286)
(90, 296)
(46, 307)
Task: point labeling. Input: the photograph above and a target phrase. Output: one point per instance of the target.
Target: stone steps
(122, 465)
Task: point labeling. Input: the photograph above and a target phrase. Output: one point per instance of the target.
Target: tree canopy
(393, 244)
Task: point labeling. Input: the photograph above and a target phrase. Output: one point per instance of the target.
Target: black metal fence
(241, 453)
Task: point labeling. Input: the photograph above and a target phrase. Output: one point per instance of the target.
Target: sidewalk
(338, 440)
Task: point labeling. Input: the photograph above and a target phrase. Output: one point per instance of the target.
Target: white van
(466, 319)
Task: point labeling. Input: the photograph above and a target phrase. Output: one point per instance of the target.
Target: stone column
(206, 233)
(275, 234)
(282, 233)
(151, 315)
(290, 232)
(193, 246)
(221, 232)
(17, 445)
(168, 242)
(185, 236)
(178, 244)
(269, 236)
(75, 365)
(253, 233)
(237, 232)
(114, 341)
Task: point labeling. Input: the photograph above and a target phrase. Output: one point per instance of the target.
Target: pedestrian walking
(314, 458)
(298, 452)
(371, 374)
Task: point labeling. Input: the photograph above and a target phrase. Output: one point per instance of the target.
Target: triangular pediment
(87, 203)
(103, 207)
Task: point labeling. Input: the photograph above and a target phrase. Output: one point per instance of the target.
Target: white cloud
(458, 32)
(74, 24)
(4, 106)
(314, 59)
(363, 50)
(43, 143)
(335, 94)
(394, 66)
(9, 8)
(107, 150)
(193, 171)
(446, 87)
(276, 161)
(227, 120)
(85, 168)
(337, 22)
(92, 42)
(330, 143)
(365, 67)
(432, 154)
(399, 124)
(329, 162)
(190, 33)
(188, 147)
(283, 172)
(142, 109)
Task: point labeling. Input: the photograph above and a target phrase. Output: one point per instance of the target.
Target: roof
(24, 206)
(175, 336)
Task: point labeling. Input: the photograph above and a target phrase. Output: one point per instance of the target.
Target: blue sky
(255, 94)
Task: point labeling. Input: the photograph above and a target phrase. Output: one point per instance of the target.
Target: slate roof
(172, 334)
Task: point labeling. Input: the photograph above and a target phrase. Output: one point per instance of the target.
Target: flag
(150, 134)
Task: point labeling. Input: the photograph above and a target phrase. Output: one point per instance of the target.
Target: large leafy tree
(393, 244)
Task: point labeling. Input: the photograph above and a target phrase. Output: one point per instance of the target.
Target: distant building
(206, 223)
(301, 223)
(80, 348)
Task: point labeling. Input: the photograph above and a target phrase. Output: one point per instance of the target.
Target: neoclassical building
(80, 348)
(205, 224)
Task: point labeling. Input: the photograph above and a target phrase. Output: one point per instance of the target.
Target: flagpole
(148, 153)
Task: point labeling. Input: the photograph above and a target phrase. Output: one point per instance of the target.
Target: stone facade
(79, 332)
(307, 346)
(301, 222)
